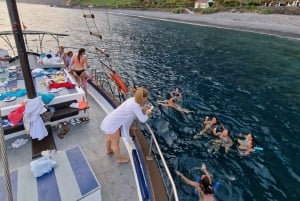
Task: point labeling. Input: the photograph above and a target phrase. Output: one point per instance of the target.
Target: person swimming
(204, 188)
(209, 125)
(223, 141)
(247, 144)
(172, 103)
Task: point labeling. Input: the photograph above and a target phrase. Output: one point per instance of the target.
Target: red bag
(17, 115)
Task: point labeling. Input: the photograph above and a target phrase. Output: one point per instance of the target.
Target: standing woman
(79, 62)
(121, 119)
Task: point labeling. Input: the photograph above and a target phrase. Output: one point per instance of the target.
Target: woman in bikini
(80, 63)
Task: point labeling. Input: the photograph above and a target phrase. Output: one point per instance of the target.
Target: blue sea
(250, 82)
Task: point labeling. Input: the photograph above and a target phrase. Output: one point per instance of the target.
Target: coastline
(272, 24)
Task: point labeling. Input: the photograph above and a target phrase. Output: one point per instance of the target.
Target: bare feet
(123, 159)
(108, 152)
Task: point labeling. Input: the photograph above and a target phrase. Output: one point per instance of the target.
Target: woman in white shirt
(121, 119)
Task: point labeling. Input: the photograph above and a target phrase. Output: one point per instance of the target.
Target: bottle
(258, 148)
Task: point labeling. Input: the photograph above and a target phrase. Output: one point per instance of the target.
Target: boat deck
(117, 181)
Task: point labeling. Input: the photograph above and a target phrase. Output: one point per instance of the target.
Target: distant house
(203, 3)
(296, 3)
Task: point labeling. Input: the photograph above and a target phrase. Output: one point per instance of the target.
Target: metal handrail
(153, 139)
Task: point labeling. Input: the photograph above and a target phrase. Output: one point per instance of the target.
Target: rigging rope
(97, 34)
(106, 62)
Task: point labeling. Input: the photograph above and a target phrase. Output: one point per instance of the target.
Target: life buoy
(118, 80)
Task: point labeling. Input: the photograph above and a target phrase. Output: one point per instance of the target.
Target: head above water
(205, 185)
(214, 120)
(225, 132)
(141, 95)
(249, 136)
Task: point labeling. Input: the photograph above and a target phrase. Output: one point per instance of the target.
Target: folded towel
(42, 166)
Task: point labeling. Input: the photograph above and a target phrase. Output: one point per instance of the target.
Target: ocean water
(251, 82)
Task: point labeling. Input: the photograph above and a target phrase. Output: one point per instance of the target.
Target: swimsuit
(78, 72)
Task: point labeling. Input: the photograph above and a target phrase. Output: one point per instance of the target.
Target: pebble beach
(274, 24)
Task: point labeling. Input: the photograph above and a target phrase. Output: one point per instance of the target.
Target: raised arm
(186, 180)
(204, 170)
(163, 103)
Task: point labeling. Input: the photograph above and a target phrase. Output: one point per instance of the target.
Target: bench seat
(61, 111)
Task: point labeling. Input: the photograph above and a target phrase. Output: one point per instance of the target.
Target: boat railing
(155, 151)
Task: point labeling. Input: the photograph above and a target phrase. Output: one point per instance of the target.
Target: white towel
(32, 119)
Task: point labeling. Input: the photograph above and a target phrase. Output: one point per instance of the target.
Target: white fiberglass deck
(71, 179)
(117, 181)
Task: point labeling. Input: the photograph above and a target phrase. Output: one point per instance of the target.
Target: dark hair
(254, 142)
(206, 186)
(69, 52)
(80, 53)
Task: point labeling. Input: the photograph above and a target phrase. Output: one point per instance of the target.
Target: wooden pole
(19, 40)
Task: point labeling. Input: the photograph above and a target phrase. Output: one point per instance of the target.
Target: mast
(19, 40)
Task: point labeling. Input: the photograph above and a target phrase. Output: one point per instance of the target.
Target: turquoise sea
(251, 82)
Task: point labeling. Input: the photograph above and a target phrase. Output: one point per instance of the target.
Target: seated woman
(172, 103)
(204, 188)
(176, 93)
(68, 59)
(246, 145)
